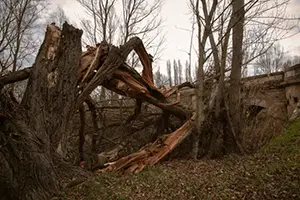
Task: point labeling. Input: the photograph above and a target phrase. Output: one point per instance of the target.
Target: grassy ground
(272, 173)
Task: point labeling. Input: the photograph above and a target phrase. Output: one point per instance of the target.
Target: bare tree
(223, 23)
(175, 70)
(19, 36)
(113, 22)
(291, 61)
(139, 18)
(102, 25)
(160, 79)
(200, 78)
(235, 76)
(266, 23)
(57, 16)
(18, 20)
(110, 21)
(179, 72)
(270, 61)
(187, 72)
(7, 35)
(189, 66)
(169, 72)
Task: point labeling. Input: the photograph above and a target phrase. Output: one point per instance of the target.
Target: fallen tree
(127, 82)
(60, 80)
(151, 153)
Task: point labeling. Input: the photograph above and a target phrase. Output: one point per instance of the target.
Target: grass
(272, 173)
(287, 146)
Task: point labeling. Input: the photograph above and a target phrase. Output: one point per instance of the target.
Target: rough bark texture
(25, 162)
(52, 89)
(61, 79)
(200, 84)
(30, 133)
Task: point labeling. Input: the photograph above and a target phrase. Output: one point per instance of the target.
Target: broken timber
(151, 153)
(105, 65)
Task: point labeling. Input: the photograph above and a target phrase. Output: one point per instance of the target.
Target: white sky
(176, 16)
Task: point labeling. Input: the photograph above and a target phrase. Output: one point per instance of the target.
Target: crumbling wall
(292, 88)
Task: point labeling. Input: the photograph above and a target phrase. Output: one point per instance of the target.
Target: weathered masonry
(277, 92)
(268, 102)
(280, 90)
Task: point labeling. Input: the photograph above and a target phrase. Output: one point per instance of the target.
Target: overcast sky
(176, 15)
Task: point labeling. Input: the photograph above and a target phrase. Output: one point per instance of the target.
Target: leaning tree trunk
(30, 132)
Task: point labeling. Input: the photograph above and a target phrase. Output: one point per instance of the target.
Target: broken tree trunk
(151, 153)
(29, 132)
(26, 166)
(116, 75)
(56, 91)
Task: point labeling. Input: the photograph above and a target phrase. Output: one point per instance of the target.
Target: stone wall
(292, 88)
(268, 102)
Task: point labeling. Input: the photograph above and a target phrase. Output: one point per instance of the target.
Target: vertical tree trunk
(199, 86)
(81, 132)
(52, 87)
(26, 166)
(30, 132)
(231, 139)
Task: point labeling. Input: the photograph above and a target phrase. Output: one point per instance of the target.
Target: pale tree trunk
(210, 145)
(231, 138)
(199, 86)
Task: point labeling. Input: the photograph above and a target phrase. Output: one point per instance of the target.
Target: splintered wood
(105, 65)
(151, 153)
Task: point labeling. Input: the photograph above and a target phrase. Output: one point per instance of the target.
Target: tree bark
(15, 76)
(52, 87)
(26, 167)
(30, 132)
(231, 138)
(200, 84)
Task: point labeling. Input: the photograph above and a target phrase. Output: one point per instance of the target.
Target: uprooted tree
(59, 82)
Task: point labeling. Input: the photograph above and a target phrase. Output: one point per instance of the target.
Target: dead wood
(81, 132)
(102, 65)
(177, 88)
(92, 107)
(15, 76)
(137, 111)
(151, 153)
(31, 168)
